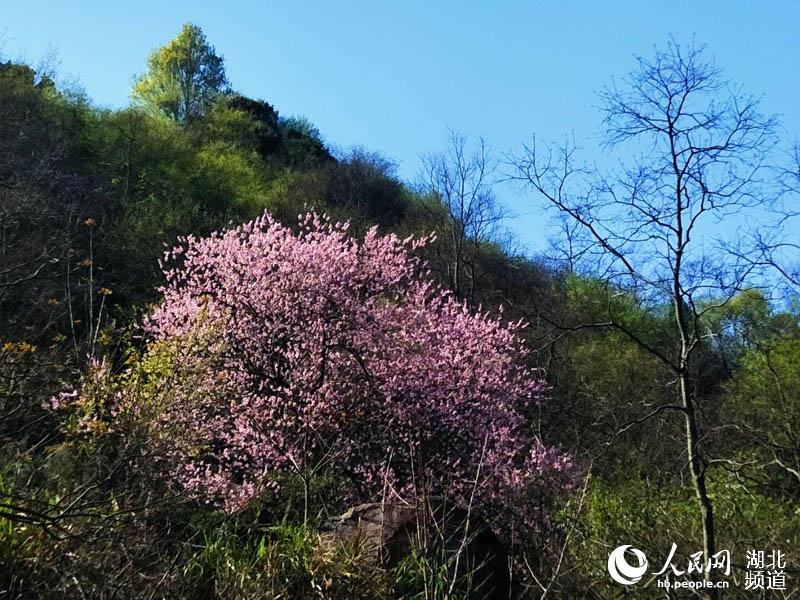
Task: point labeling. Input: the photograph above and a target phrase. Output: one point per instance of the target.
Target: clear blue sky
(392, 75)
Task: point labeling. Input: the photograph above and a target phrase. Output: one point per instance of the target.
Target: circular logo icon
(621, 570)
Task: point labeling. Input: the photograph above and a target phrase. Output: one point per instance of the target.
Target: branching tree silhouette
(663, 224)
(461, 180)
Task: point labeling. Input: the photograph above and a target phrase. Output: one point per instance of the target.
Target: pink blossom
(63, 399)
(320, 350)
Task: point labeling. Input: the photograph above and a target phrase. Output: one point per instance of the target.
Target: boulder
(390, 531)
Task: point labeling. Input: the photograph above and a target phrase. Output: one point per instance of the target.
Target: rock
(389, 533)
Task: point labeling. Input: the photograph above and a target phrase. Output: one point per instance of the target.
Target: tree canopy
(184, 77)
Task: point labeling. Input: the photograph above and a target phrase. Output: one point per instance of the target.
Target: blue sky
(391, 76)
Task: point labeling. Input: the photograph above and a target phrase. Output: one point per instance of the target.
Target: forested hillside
(218, 333)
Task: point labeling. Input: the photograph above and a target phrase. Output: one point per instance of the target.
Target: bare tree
(460, 181)
(775, 251)
(651, 225)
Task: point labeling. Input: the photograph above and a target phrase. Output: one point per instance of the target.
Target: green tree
(302, 144)
(184, 77)
(763, 399)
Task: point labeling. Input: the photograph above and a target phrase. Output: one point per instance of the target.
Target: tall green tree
(184, 77)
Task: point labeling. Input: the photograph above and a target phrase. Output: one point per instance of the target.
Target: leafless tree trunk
(461, 182)
(702, 151)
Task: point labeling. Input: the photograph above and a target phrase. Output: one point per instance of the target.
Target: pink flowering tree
(312, 350)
